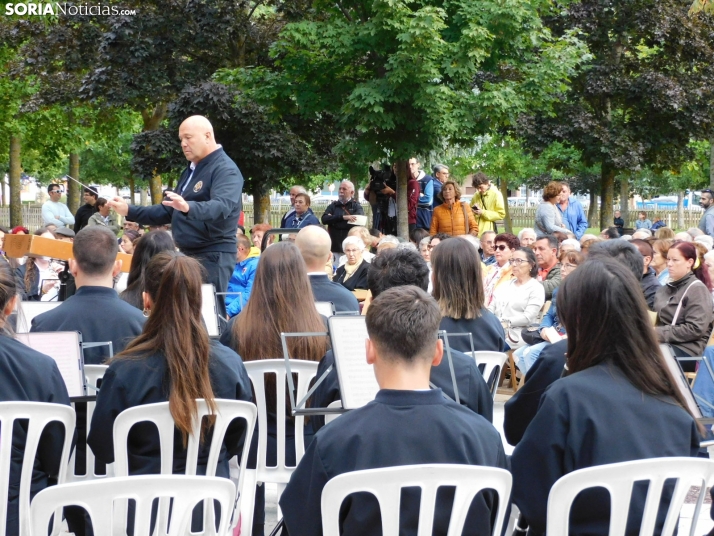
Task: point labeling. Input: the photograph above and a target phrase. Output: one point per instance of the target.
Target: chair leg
(514, 369)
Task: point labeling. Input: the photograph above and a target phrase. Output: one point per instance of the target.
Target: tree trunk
(503, 186)
(402, 198)
(261, 204)
(680, 211)
(73, 194)
(152, 121)
(592, 208)
(132, 185)
(625, 200)
(15, 186)
(607, 192)
(711, 163)
(144, 196)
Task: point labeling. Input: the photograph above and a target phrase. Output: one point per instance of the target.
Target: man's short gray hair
(351, 185)
(300, 189)
(472, 240)
(386, 239)
(438, 168)
(646, 232)
(524, 231)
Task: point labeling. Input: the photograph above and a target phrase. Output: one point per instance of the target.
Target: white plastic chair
(39, 415)
(490, 361)
(618, 479)
(98, 498)
(93, 374)
(280, 474)
(159, 414)
(386, 485)
(332, 416)
(325, 308)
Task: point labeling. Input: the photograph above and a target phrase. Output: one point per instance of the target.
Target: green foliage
(402, 76)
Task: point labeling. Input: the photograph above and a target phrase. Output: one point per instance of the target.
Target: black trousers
(219, 266)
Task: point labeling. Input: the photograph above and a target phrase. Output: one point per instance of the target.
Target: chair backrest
(618, 479)
(39, 415)
(490, 364)
(93, 374)
(386, 485)
(160, 415)
(332, 416)
(97, 497)
(209, 312)
(325, 308)
(306, 371)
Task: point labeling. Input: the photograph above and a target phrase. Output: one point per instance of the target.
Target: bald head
(314, 244)
(197, 140)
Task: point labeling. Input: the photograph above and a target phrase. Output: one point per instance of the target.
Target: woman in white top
(517, 303)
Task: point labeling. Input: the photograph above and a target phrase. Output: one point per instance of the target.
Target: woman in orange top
(453, 217)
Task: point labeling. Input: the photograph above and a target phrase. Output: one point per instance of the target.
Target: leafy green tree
(647, 93)
(405, 77)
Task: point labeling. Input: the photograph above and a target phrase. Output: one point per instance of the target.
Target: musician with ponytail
(173, 359)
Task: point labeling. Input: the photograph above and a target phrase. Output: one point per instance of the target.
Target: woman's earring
(146, 312)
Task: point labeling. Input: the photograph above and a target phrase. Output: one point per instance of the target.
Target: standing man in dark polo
(86, 211)
(340, 214)
(203, 210)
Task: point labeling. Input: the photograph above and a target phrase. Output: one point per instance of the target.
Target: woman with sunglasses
(518, 303)
(502, 272)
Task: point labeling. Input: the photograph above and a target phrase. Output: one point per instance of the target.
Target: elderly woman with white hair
(527, 237)
(353, 274)
(569, 244)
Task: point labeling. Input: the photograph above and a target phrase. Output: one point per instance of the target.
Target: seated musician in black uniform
(617, 402)
(96, 310)
(396, 268)
(27, 376)
(407, 423)
(172, 360)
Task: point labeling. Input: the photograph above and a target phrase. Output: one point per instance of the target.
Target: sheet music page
(28, 310)
(208, 309)
(357, 382)
(63, 347)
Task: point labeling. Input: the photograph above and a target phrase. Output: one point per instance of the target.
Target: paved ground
(705, 523)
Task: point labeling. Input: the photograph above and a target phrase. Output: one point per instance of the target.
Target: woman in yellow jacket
(453, 217)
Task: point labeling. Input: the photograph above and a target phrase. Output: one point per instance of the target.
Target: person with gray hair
(441, 173)
(340, 215)
(527, 237)
(294, 191)
(641, 234)
(353, 274)
(569, 244)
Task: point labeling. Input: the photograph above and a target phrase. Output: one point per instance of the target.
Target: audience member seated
(257, 232)
(611, 233)
(617, 401)
(37, 279)
(363, 234)
(353, 274)
(683, 237)
(400, 268)
(569, 244)
(65, 234)
(302, 215)
(243, 275)
(527, 237)
(660, 249)
(684, 305)
(172, 360)
(458, 289)
(586, 241)
(649, 282)
(96, 311)
(551, 329)
(641, 234)
(280, 303)
(152, 243)
(104, 217)
(27, 376)
(407, 423)
(546, 254)
(664, 233)
(518, 303)
(128, 240)
(501, 272)
(488, 248)
(315, 244)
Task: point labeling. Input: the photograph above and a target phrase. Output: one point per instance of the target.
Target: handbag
(465, 206)
(531, 335)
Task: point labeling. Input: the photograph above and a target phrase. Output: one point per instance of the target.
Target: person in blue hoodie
(303, 215)
(243, 276)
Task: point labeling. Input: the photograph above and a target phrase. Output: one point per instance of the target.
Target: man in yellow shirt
(487, 203)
